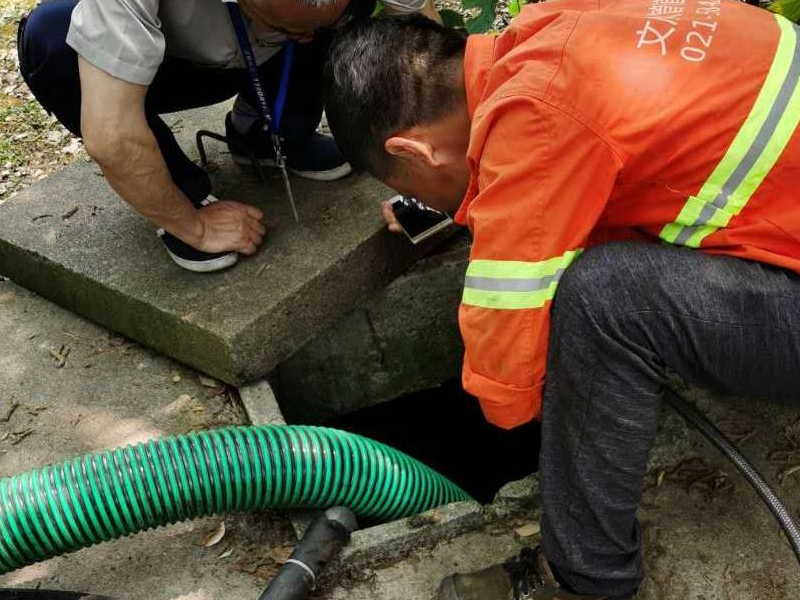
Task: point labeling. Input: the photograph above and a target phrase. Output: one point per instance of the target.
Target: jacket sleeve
(544, 179)
(121, 37)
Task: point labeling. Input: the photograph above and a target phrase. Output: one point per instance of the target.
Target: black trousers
(624, 316)
(50, 68)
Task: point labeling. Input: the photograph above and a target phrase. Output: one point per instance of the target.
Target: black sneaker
(192, 259)
(319, 159)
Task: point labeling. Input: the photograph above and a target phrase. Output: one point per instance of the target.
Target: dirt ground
(32, 143)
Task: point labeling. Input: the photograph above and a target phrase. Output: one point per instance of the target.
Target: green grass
(28, 119)
(31, 143)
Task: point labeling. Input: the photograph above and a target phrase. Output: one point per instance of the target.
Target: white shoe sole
(207, 266)
(342, 170)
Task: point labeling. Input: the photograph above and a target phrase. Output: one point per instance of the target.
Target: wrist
(182, 220)
(190, 228)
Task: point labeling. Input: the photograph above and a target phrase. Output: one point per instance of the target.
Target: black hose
(716, 437)
(321, 543)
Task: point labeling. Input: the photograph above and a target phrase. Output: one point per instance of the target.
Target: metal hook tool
(271, 125)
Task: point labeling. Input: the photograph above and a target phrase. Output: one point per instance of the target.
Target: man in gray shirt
(108, 68)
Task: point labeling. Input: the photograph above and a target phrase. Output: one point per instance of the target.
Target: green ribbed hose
(99, 497)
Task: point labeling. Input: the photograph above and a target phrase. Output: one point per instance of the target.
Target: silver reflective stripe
(753, 153)
(492, 284)
(514, 284)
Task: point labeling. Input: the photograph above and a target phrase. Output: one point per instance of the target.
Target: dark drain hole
(444, 428)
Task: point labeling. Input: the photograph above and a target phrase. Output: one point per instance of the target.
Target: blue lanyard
(271, 125)
(283, 89)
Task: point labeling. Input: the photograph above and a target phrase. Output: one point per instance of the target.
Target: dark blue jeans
(624, 316)
(50, 68)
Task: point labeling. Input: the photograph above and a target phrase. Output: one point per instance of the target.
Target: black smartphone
(418, 221)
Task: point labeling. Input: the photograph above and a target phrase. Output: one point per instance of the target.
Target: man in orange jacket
(590, 148)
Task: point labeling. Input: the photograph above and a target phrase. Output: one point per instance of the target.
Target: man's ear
(410, 149)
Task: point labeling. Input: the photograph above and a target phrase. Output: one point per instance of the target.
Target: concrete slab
(70, 239)
(394, 541)
(403, 340)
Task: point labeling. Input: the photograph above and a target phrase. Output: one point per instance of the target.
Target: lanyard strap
(270, 126)
(243, 39)
(283, 89)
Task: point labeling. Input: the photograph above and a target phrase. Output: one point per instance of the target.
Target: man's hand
(117, 136)
(228, 225)
(388, 216)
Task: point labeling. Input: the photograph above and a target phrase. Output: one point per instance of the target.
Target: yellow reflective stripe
(777, 143)
(517, 269)
(758, 114)
(512, 285)
(753, 152)
(508, 300)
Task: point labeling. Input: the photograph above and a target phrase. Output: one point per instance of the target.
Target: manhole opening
(445, 429)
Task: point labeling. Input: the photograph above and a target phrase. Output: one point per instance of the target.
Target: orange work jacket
(598, 120)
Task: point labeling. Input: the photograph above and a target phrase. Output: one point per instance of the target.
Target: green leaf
(514, 6)
(453, 19)
(788, 8)
(485, 20)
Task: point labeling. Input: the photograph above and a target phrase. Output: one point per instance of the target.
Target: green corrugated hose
(80, 502)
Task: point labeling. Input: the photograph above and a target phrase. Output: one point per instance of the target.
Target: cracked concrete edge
(379, 546)
(260, 403)
(388, 543)
(116, 311)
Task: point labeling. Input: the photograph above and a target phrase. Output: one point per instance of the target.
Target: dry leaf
(214, 537)
(208, 382)
(528, 530)
(226, 554)
(281, 554)
(61, 356)
(73, 147)
(10, 411)
(70, 213)
(18, 436)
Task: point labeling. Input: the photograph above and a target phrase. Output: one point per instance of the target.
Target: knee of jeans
(590, 277)
(605, 279)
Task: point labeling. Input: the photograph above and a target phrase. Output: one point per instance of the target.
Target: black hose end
(344, 516)
(321, 542)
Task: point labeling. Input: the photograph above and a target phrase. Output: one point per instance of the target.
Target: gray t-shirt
(130, 38)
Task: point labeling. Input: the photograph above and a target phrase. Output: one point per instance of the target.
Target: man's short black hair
(386, 75)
